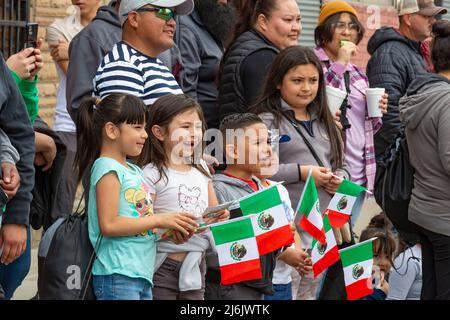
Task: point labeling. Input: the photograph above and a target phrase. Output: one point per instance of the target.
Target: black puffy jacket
(231, 88)
(395, 63)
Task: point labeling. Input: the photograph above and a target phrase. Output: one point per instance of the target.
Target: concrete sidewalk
(28, 288)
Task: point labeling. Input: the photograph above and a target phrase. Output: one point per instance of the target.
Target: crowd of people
(140, 84)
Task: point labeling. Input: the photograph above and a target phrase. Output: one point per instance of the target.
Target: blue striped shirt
(124, 69)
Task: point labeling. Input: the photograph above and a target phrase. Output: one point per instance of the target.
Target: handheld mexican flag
(324, 255)
(271, 226)
(236, 246)
(341, 205)
(308, 206)
(357, 262)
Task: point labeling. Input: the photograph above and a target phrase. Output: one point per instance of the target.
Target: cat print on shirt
(189, 200)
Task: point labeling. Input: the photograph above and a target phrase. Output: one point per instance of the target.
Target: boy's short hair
(238, 121)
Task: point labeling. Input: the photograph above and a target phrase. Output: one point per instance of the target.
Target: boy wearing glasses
(132, 65)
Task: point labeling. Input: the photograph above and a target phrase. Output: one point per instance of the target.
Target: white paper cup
(335, 98)
(373, 97)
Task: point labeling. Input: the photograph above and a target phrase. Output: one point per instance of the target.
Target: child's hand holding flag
(341, 205)
(309, 210)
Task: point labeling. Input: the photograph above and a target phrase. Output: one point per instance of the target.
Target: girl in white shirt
(179, 180)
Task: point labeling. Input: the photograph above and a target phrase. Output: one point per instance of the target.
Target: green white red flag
(341, 205)
(271, 226)
(357, 262)
(237, 250)
(324, 255)
(311, 218)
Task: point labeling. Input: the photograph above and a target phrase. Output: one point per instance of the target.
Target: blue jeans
(119, 287)
(282, 292)
(12, 275)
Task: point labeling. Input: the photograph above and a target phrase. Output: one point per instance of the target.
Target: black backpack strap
(88, 274)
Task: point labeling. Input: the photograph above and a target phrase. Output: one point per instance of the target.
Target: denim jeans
(12, 275)
(282, 292)
(120, 287)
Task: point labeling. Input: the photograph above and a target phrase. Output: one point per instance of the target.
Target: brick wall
(45, 12)
(373, 17)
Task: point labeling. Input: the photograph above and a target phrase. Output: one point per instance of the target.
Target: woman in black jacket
(263, 29)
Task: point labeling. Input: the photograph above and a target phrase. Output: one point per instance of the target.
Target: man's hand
(38, 63)
(27, 63)
(22, 63)
(11, 180)
(60, 51)
(13, 240)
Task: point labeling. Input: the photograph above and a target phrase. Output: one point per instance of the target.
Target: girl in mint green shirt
(120, 208)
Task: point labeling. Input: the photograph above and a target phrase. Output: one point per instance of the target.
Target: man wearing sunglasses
(398, 55)
(132, 66)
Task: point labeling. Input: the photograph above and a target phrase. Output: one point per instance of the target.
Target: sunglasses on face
(162, 13)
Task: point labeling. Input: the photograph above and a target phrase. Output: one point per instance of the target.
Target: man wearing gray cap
(132, 66)
(398, 55)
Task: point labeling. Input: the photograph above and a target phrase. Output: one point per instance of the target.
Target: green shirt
(132, 256)
(29, 92)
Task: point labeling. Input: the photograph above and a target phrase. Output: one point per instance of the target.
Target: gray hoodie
(86, 51)
(295, 152)
(227, 189)
(425, 112)
(15, 123)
